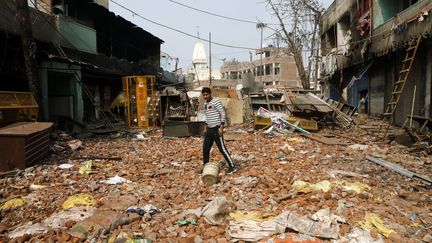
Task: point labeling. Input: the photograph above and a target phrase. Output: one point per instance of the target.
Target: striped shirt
(215, 113)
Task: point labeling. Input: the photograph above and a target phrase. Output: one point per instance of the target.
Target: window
(277, 69)
(234, 75)
(259, 71)
(268, 69)
(267, 54)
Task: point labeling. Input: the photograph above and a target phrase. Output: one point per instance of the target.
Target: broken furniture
(177, 111)
(261, 122)
(182, 128)
(23, 144)
(17, 106)
(424, 121)
(343, 112)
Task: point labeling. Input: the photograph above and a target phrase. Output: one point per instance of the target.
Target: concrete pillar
(428, 82)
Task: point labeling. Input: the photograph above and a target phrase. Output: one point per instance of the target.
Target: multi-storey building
(365, 44)
(276, 69)
(78, 42)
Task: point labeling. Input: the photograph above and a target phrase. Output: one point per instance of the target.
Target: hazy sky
(223, 31)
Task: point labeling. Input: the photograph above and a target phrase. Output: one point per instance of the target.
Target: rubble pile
(288, 187)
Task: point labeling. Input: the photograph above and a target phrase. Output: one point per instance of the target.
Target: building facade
(277, 69)
(83, 50)
(364, 46)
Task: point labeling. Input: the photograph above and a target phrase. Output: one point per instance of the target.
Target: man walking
(215, 122)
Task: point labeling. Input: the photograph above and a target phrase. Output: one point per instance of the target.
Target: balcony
(75, 35)
(400, 29)
(336, 10)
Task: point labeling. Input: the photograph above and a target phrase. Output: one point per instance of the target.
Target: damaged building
(276, 69)
(83, 51)
(376, 53)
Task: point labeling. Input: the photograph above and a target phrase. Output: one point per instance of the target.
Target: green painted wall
(383, 10)
(75, 35)
(59, 79)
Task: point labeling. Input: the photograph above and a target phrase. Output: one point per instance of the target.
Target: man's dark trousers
(211, 136)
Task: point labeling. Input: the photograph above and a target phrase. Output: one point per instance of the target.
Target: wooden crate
(23, 144)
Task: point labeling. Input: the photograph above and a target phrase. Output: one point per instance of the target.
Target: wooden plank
(323, 139)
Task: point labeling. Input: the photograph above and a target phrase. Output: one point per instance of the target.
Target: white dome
(199, 55)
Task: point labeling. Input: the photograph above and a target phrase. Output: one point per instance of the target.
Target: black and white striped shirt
(215, 113)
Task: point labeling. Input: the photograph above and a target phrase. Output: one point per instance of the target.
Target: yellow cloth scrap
(353, 186)
(13, 203)
(79, 199)
(325, 186)
(86, 168)
(377, 200)
(373, 221)
(240, 216)
(305, 187)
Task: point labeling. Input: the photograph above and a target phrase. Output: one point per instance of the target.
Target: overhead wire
(180, 31)
(219, 15)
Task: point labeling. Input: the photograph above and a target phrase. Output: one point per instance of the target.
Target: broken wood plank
(286, 197)
(323, 139)
(9, 173)
(335, 173)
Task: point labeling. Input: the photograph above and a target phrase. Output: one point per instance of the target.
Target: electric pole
(210, 59)
(261, 69)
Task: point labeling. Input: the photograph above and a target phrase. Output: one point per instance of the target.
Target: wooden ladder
(400, 84)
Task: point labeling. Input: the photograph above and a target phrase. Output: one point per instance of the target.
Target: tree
(303, 17)
(29, 46)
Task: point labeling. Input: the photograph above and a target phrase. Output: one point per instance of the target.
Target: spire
(199, 54)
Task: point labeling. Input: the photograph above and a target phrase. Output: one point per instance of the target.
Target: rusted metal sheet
(23, 144)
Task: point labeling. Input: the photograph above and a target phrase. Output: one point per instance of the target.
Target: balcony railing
(388, 36)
